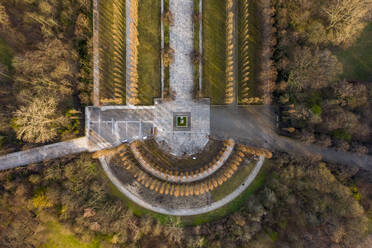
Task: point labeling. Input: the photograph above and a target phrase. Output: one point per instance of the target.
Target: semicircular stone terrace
(162, 173)
(181, 198)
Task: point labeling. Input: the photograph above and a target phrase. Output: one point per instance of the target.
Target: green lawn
(253, 49)
(357, 60)
(230, 185)
(58, 236)
(6, 54)
(149, 51)
(214, 50)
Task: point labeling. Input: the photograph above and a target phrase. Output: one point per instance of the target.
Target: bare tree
(39, 121)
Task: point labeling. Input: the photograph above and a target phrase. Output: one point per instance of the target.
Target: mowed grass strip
(149, 51)
(214, 50)
(234, 182)
(254, 41)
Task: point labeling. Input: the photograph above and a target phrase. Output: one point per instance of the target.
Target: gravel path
(182, 41)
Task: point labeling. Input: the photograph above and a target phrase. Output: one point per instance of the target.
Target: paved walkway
(47, 152)
(181, 82)
(182, 41)
(111, 125)
(182, 212)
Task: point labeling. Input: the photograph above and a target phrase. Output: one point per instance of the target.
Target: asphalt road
(255, 126)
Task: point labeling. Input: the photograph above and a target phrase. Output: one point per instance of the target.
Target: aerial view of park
(185, 124)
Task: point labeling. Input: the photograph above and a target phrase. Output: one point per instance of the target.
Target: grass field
(112, 50)
(254, 42)
(230, 185)
(357, 60)
(196, 26)
(214, 50)
(149, 51)
(58, 236)
(6, 54)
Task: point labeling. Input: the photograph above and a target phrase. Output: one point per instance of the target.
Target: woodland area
(301, 204)
(318, 102)
(45, 49)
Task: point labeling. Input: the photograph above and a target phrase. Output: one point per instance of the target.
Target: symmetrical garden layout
(152, 126)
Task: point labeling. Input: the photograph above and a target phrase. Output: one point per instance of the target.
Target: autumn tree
(313, 69)
(344, 19)
(39, 120)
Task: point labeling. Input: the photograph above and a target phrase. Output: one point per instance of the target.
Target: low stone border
(183, 178)
(182, 212)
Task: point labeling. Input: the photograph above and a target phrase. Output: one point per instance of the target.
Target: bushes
(132, 94)
(112, 42)
(230, 73)
(268, 72)
(256, 72)
(244, 49)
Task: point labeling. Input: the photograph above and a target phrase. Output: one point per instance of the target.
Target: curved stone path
(182, 212)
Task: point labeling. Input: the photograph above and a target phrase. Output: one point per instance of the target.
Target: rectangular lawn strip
(233, 206)
(253, 49)
(357, 59)
(149, 51)
(214, 50)
(112, 54)
(196, 26)
(235, 181)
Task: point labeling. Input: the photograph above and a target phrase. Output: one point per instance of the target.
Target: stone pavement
(112, 125)
(193, 139)
(182, 41)
(182, 142)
